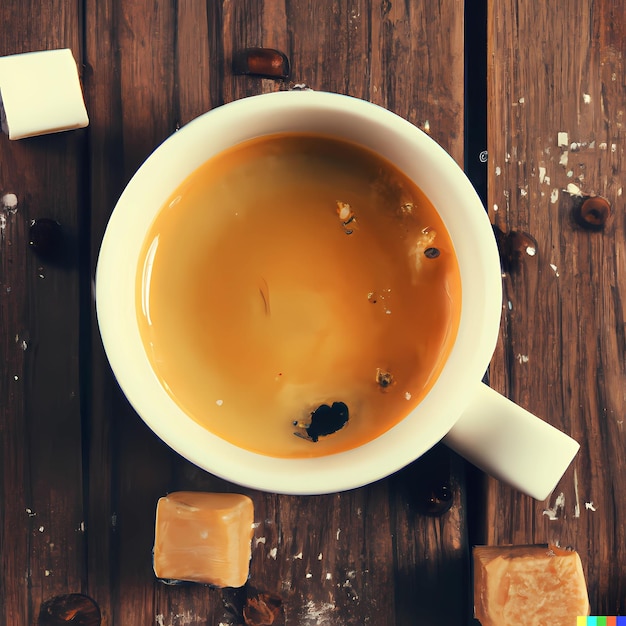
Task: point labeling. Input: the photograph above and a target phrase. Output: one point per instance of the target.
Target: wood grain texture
(557, 98)
(365, 556)
(81, 473)
(41, 495)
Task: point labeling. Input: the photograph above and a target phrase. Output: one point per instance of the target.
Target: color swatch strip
(597, 620)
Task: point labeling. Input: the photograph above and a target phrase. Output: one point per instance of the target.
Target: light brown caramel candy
(520, 585)
(204, 538)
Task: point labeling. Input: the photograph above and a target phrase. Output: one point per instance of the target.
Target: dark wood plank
(42, 520)
(152, 68)
(130, 95)
(141, 83)
(557, 70)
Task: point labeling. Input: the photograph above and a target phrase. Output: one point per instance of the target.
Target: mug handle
(511, 444)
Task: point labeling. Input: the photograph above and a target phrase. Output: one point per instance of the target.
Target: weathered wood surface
(41, 510)
(557, 103)
(80, 472)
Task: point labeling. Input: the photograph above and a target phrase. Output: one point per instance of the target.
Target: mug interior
(410, 150)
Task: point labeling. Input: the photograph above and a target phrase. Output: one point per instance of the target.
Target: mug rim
(395, 139)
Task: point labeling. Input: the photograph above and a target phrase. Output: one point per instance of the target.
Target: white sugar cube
(40, 93)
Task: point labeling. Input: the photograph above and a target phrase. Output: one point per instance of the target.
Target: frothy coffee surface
(293, 272)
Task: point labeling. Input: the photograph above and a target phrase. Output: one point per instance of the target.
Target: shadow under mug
(490, 431)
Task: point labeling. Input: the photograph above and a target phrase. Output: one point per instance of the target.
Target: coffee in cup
(298, 295)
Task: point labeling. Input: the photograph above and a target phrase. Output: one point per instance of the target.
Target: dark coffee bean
(592, 212)
(74, 608)
(46, 237)
(265, 62)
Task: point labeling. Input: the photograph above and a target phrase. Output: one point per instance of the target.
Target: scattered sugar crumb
(273, 552)
(298, 556)
(495, 207)
(586, 98)
(338, 533)
(602, 145)
(317, 613)
(563, 158)
(319, 556)
(590, 506)
(260, 540)
(308, 575)
(329, 576)
(498, 171)
(562, 139)
(573, 190)
(407, 395)
(559, 504)
(555, 269)
(542, 174)
(9, 202)
(41, 529)
(523, 192)
(522, 100)
(219, 402)
(554, 196)
(522, 358)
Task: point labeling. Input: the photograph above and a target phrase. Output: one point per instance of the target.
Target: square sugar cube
(40, 93)
(533, 584)
(204, 538)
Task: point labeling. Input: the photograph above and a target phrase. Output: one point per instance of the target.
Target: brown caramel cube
(537, 584)
(204, 538)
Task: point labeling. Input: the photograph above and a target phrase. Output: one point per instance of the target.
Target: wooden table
(81, 473)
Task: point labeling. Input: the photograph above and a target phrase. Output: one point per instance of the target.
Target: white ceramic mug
(483, 426)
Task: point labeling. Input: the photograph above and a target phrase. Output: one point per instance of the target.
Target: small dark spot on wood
(75, 608)
(432, 253)
(591, 212)
(435, 501)
(263, 609)
(46, 237)
(264, 62)
(233, 601)
(515, 248)
(426, 484)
